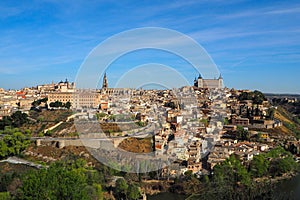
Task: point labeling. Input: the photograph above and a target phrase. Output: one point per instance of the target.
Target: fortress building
(208, 83)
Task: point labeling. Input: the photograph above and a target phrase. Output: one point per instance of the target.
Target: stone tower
(200, 81)
(221, 84)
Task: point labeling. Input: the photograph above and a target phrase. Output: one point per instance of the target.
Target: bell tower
(200, 81)
(105, 83)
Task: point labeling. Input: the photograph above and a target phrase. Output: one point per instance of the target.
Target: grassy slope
(287, 118)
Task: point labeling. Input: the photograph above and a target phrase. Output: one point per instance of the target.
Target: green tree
(242, 134)
(98, 191)
(68, 105)
(205, 122)
(56, 182)
(56, 104)
(5, 122)
(94, 192)
(271, 113)
(133, 192)
(13, 143)
(3, 149)
(5, 196)
(121, 188)
(19, 118)
(257, 97)
(52, 105)
(5, 181)
(230, 172)
(226, 121)
(259, 166)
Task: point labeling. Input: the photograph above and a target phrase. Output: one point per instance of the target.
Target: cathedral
(106, 90)
(208, 83)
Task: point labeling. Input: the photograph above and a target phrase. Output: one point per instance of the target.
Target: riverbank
(285, 176)
(286, 186)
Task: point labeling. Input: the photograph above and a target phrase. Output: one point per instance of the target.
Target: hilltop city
(191, 129)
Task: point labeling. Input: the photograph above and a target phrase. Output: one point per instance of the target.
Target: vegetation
(242, 134)
(293, 128)
(100, 115)
(259, 166)
(123, 190)
(257, 97)
(17, 119)
(70, 178)
(205, 122)
(170, 105)
(231, 172)
(226, 121)
(232, 180)
(39, 101)
(58, 104)
(13, 142)
(290, 111)
(133, 192)
(271, 113)
(141, 124)
(51, 115)
(68, 181)
(5, 196)
(276, 162)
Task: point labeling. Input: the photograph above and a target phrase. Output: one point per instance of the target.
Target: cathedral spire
(105, 83)
(220, 77)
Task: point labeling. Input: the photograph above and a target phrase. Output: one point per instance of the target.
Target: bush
(13, 144)
(5, 196)
(68, 180)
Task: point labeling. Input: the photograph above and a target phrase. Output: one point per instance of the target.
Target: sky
(254, 44)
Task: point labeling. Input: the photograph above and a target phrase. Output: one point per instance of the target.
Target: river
(290, 187)
(167, 196)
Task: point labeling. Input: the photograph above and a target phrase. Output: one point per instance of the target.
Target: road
(16, 160)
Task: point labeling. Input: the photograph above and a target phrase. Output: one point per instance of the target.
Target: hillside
(291, 125)
(39, 121)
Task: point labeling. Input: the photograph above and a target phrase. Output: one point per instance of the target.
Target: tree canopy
(17, 119)
(13, 143)
(67, 181)
(257, 97)
(58, 104)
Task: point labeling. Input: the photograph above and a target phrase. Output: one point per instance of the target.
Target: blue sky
(255, 44)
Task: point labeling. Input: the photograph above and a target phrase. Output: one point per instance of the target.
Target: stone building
(208, 83)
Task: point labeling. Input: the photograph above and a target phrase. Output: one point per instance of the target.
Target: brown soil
(136, 145)
(50, 154)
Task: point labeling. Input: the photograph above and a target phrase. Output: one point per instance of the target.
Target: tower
(200, 81)
(196, 82)
(105, 83)
(221, 84)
